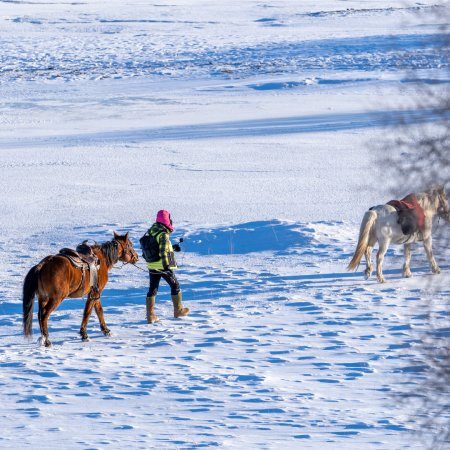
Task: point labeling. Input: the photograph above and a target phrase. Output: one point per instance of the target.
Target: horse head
(442, 206)
(126, 251)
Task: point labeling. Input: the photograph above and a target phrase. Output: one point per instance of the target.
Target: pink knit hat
(163, 217)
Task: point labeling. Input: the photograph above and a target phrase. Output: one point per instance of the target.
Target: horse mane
(110, 252)
(429, 199)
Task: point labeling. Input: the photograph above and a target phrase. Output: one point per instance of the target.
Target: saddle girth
(84, 259)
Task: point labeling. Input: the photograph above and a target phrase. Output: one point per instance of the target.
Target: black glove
(176, 248)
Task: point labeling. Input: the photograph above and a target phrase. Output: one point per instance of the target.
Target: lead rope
(137, 267)
(126, 264)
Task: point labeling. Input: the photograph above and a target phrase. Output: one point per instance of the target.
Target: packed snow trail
(281, 346)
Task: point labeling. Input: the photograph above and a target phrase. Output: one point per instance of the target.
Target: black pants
(169, 277)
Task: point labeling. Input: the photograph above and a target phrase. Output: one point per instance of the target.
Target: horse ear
(126, 235)
(435, 189)
(115, 235)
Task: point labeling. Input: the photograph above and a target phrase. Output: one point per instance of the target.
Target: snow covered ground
(254, 123)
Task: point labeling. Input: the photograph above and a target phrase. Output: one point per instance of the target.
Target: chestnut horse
(55, 278)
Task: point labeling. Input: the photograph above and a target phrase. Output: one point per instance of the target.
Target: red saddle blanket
(410, 203)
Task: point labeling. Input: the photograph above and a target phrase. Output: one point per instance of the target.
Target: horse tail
(363, 241)
(30, 287)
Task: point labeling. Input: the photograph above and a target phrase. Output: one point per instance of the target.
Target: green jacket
(166, 254)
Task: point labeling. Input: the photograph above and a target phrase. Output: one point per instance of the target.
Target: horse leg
(383, 246)
(87, 312)
(406, 267)
(101, 318)
(368, 255)
(45, 309)
(427, 243)
(40, 316)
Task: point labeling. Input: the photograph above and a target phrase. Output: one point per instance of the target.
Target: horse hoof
(436, 270)
(85, 338)
(44, 342)
(381, 280)
(107, 332)
(367, 275)
(407, 275)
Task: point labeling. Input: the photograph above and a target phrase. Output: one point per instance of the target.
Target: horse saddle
(84, 258)
(410, 215)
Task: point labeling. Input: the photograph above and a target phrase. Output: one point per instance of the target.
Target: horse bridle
(445, 214)
(126, 249)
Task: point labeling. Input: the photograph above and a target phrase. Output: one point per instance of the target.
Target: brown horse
(55, 278)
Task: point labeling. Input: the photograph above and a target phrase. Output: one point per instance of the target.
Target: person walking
(159, 254)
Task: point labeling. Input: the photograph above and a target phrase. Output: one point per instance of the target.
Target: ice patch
(274, 85)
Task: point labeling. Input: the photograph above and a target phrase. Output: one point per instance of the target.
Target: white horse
(380, 225)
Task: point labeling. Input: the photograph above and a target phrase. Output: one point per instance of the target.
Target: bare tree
(416, 156)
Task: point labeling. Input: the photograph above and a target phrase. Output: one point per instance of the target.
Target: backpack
(150, 247)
